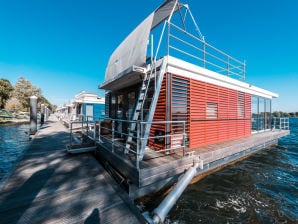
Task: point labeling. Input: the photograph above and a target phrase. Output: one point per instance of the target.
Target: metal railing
(85, 127)
(195, 50)
(280, 123)
(117, 138)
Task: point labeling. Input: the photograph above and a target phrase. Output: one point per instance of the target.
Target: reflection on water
(260, 189)
(13, 141)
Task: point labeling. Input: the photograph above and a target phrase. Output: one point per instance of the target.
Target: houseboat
(173, 100)
(84, 106)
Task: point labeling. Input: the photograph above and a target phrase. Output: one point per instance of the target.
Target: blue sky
(63, 46)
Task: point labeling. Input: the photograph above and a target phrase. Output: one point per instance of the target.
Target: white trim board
(183, 68)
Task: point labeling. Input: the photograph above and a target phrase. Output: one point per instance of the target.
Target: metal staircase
(145, 108)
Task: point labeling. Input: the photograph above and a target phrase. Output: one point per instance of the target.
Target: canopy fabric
(132, 51)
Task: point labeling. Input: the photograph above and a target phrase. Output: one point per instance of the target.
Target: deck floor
(50, 186)
(159, 166)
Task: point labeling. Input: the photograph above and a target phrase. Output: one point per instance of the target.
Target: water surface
(14, 139)
(260, 189)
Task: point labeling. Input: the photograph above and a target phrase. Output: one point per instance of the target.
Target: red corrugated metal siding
(201, 131)
(228, 124)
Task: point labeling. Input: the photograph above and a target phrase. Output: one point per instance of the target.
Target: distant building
(84, 106)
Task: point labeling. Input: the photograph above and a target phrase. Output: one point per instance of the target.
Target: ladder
(145, 106)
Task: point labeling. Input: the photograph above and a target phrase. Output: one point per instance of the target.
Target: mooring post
(33, 115)
(46, 113)
(42, 112)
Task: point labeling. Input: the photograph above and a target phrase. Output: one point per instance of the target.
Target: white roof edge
(180, 67)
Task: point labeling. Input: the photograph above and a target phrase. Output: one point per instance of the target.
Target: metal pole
(227, 66)
(138, 146)
(204, 56)
(94, 131)
(82, 129)
(99, 128)
(170, 200)
(42, 111)
(113, 130)
(70, 134)
(33, 115)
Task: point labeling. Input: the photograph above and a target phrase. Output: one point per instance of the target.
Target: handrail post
(94, 131)
(99, 128)
(228, 61)
(87, 130)
(70, 134)
(204, 54)
(82, 129)
(138, 146)
(113, 133)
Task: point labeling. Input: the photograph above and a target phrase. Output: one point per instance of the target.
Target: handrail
(84, 120)
(281, 123)
(140, 139)
(211, 57)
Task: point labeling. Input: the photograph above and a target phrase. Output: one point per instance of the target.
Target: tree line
(284, 114)
(17, 97)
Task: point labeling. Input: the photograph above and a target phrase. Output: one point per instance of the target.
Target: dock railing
(116, 135)
(280, 123)
(85, 126)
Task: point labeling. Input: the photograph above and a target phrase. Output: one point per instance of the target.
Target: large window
(261, 113)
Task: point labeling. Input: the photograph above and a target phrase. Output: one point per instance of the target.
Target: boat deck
(159, 168)
(50, 186)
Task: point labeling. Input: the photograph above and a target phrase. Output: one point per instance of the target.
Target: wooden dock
(50, 186)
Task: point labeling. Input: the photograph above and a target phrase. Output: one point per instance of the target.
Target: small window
(241, 104)
(211, 111)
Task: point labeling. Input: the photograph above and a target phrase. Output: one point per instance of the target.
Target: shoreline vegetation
(15, 99)
(14, 121)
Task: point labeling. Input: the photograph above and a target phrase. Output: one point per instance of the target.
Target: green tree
(13, 104)
(23, 89)
(5, 91)
(276, 114)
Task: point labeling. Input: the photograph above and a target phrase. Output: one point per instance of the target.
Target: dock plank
(49, 186)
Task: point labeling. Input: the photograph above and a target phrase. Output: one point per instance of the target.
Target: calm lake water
(260, 189)
(13, 141)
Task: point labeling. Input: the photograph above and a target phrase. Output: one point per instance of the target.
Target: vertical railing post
(138, 146)
(82, 129)
(99, 128)
(141, 139)
(113, 134)
(244, 70)
(87, 120)
(70, 134)
(227, 71)
(204, 54)
(94, 131)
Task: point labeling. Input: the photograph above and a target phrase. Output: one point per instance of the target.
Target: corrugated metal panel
(233, 114)
(189, 100)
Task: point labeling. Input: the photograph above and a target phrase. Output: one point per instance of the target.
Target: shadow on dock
(50, 186)
(27, 192)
